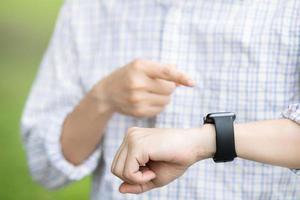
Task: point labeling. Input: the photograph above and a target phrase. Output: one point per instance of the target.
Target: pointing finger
(166, 72)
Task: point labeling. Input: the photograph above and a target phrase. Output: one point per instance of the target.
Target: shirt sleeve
(55, 93)
(292, 112)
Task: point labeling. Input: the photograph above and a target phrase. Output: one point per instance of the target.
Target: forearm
(275, 142)
(145, 93)
(84, 128)
(165, 154)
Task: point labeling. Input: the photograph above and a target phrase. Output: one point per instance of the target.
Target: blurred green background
(25, 29)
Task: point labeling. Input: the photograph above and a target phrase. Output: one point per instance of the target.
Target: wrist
(205, 142)
(101, 98)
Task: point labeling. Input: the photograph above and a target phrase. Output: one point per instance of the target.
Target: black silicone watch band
(225, 145)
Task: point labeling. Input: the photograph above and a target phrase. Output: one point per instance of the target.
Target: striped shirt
(244, 56)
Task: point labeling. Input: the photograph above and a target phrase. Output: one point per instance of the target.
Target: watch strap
(225, 145)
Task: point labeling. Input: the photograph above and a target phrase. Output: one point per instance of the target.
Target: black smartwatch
(225, 146)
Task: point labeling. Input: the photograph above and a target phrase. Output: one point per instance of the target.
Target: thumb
(136, 189)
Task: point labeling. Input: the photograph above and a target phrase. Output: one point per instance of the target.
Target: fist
(142, 88)
(149, 158)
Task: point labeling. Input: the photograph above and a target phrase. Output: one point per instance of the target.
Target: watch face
(221, 114)
(211, 116)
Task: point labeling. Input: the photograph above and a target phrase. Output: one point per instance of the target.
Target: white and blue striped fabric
(244, 56)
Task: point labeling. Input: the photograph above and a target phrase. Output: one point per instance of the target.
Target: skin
(140, 89)
(151, 158)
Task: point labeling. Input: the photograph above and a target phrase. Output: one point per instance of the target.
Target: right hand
(141, 88)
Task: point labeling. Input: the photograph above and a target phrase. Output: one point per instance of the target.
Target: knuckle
(132, 134)
(131, 81)
(137, 63)
(166, 71)
(132, 129)
(181, 77)
(131, 141)
(134, 98)
(136, 83)
(167, 87)
(132, 137)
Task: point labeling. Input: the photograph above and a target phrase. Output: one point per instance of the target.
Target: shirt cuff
(57, 159)
(292, 112)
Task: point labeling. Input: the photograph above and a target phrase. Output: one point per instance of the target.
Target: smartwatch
(225, 146)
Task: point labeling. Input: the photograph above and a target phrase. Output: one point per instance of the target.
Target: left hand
(149, 158)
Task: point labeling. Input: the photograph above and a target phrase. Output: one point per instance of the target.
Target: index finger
(167, 72)
(132, 170)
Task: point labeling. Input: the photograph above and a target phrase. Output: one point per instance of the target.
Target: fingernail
(191, 82)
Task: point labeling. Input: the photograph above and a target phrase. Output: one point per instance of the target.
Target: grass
(25, 29)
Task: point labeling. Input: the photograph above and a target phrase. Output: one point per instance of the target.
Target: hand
(150, 158)
(141, 88)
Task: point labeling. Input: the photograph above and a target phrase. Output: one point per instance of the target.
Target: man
(241, 57)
